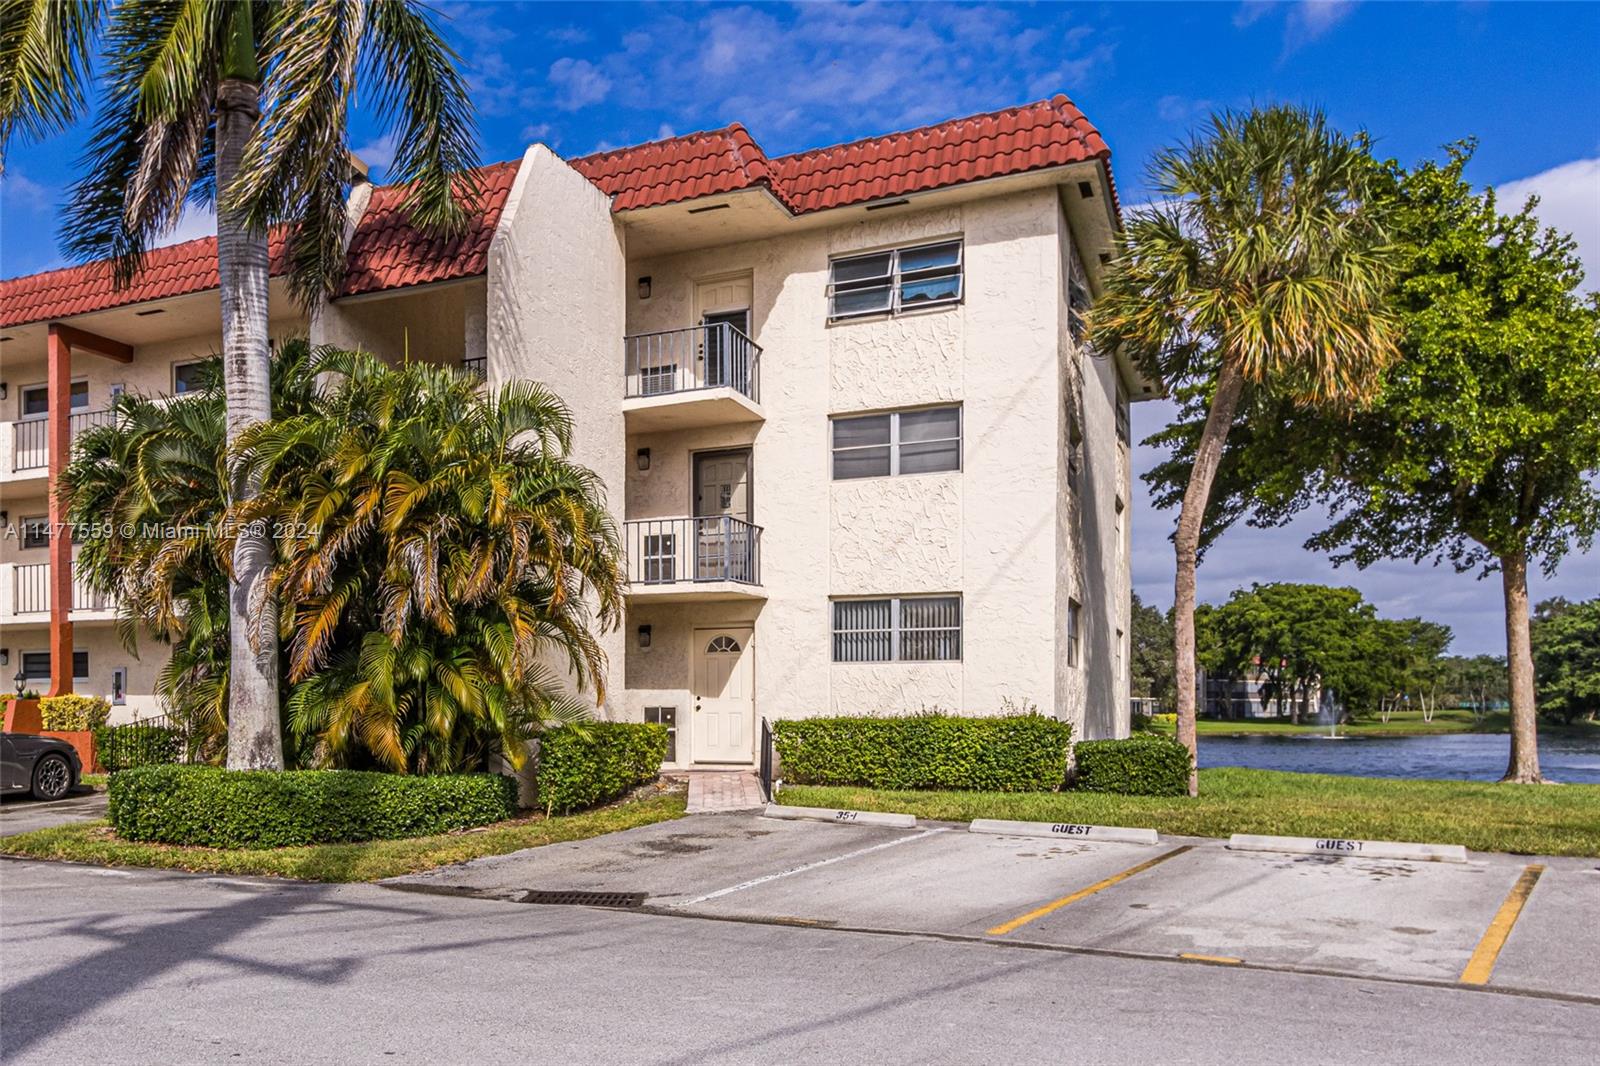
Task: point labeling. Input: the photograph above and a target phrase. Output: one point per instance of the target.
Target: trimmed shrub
(1015, 753)
(582, 765)
(123, 747)
(70, 714)
(212, 807)
(1143, 765)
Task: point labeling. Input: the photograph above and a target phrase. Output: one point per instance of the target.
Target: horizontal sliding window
(897, 629)
(899, 442)
(902, 279)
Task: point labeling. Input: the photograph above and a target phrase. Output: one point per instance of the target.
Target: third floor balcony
(702, 375)
(30, 440)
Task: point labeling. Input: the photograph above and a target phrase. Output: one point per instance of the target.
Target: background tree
(245, 105)
(1566, 659)
(1263, 267)
(1476, 682)
(443, 564)
(1150, 653)
(1483, 446)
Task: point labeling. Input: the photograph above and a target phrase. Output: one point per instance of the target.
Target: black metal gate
(768, 760)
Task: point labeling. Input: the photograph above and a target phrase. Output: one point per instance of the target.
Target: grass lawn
(94, 842)
(1400, 724)
(1526, 819)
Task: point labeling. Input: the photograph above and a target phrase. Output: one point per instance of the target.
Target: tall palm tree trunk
(255, 741)
(1524, 762)
(1208, 456)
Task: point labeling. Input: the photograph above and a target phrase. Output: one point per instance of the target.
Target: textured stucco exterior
(1013, 532)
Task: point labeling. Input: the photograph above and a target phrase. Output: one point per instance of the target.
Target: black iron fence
(769, 760)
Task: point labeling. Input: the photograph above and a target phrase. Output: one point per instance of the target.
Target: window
(1078, 300)
(1074, 450)
(902, 279)
(900, 442)
(1122, 414)
(900, 629)
(35, 532)
(36, 666)
(667, 716)
(660, 557)
(722, 644)
(36, 399)
(1074, 631)
(186, 377)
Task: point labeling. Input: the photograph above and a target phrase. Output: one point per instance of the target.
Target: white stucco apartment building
(861, 458)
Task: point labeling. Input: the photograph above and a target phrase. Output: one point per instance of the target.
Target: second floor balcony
(30, 439)
(30, 592)
(702, 375)
(717, 557)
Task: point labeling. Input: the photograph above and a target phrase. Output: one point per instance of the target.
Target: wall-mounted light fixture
(643, 458)
(4, 388)
(644, 637)
(5, 656)
(5, 517)
(644, 287)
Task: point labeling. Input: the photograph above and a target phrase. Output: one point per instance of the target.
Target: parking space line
(1099, 886)
(719, 893)
(1226, 960)
(1481, 965)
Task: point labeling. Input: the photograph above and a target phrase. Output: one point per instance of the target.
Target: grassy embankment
(95, 842)
(1525, 819)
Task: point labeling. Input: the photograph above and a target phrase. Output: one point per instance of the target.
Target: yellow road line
(1481, 965)
(1048, 908)
(1227, 960)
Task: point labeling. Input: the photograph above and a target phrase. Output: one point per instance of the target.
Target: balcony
(686, 560)
(30, 592)
(30, 438)
(683, 378)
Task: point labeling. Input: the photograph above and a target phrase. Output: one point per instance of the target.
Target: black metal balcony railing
(30, 591)
(665, 551)
(476, 367)
(715, 356)
(30, 438)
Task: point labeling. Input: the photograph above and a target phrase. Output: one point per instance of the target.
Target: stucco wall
(106, 653)
(992, 531)
(555, 314)
(430, 323)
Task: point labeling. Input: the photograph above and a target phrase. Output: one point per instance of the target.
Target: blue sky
(1522, 78)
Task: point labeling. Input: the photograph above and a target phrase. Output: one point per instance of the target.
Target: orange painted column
(59, 353)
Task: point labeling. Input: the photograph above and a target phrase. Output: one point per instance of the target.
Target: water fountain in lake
(1329, 711)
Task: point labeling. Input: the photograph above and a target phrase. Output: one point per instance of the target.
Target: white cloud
(20, 192)
(379, 154)
(1303, 22)
(1173, 108)
(579, 83)
(1569, 200)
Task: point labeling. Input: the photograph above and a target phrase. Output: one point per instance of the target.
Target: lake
(1462, 756)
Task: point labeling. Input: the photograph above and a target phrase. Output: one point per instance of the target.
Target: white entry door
(724, 696)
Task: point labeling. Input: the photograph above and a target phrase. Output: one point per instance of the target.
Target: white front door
(724, 696)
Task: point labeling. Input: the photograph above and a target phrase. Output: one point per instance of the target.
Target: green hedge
(123, 747)
(1142, 765)
(1014, 753)
(582, 765)
(209, 806)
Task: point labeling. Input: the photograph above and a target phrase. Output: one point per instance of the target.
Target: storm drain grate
(585, 899)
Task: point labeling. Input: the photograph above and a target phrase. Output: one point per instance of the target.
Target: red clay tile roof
(387, 252)
(679, 168)
(175, 270)
(1015, 140)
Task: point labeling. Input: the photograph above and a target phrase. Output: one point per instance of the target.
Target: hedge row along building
(840, 399)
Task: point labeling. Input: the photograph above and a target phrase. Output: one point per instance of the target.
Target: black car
(45, 766)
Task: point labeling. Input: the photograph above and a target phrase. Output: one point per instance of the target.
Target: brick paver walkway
(733, 790)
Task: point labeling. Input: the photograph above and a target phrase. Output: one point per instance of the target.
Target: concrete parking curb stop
(841, 817)
(1065, 830)
(1349, 849)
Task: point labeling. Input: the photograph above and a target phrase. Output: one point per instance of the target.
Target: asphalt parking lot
(23, 814)
(1183, 899)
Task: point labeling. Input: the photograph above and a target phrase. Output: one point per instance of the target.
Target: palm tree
(243, 104)
(441, 559)
(1264, 265)
(149, 487)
